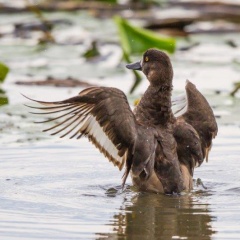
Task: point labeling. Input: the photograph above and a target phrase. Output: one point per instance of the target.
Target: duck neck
(155, 106)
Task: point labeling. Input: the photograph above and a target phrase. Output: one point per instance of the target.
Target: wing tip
(189, 83)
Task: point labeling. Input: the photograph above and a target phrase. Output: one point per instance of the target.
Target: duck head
(156, 65)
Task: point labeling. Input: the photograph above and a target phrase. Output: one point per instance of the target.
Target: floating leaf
(3, 98)
(138, 40)
(3, 71)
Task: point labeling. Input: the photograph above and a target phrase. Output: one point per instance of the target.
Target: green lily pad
(3, 71)
(137, 40)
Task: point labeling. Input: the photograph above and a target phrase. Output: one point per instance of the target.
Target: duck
(158, 146)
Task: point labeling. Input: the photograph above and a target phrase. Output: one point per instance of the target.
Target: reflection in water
(3, 98)
(152, 216)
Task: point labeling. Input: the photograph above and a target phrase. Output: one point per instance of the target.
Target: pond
(65, 189)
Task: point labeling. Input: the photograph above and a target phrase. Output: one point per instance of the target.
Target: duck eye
(146, 59)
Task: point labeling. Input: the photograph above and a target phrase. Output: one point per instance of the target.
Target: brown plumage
(160, 150)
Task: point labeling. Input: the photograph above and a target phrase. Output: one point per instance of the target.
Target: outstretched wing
(102, 114)
(196, 119)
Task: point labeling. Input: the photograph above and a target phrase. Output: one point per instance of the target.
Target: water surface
(67, 190)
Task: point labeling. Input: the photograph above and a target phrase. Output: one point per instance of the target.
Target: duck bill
(134, 66)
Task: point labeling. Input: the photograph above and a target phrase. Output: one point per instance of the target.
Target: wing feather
(196, 123)
(100, 113)
(179, 105)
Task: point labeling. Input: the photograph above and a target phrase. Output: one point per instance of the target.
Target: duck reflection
(152, 216)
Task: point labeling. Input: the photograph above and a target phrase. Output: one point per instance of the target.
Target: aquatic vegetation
(47, 25)
(3, 71)
(3, 98)
(92, 51)
(135, 40)
(236, 88)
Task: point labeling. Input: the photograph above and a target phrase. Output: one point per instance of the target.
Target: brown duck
(158, 149)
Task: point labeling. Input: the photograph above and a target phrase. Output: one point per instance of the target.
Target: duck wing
(179, 105)
(100, 113)
(195, 126)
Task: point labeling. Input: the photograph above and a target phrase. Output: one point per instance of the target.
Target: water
(65, 189)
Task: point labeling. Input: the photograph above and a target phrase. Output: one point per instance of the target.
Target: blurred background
(52, 49)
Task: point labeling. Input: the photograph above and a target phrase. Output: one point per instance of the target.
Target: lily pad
(3, 71)
(136, 40)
